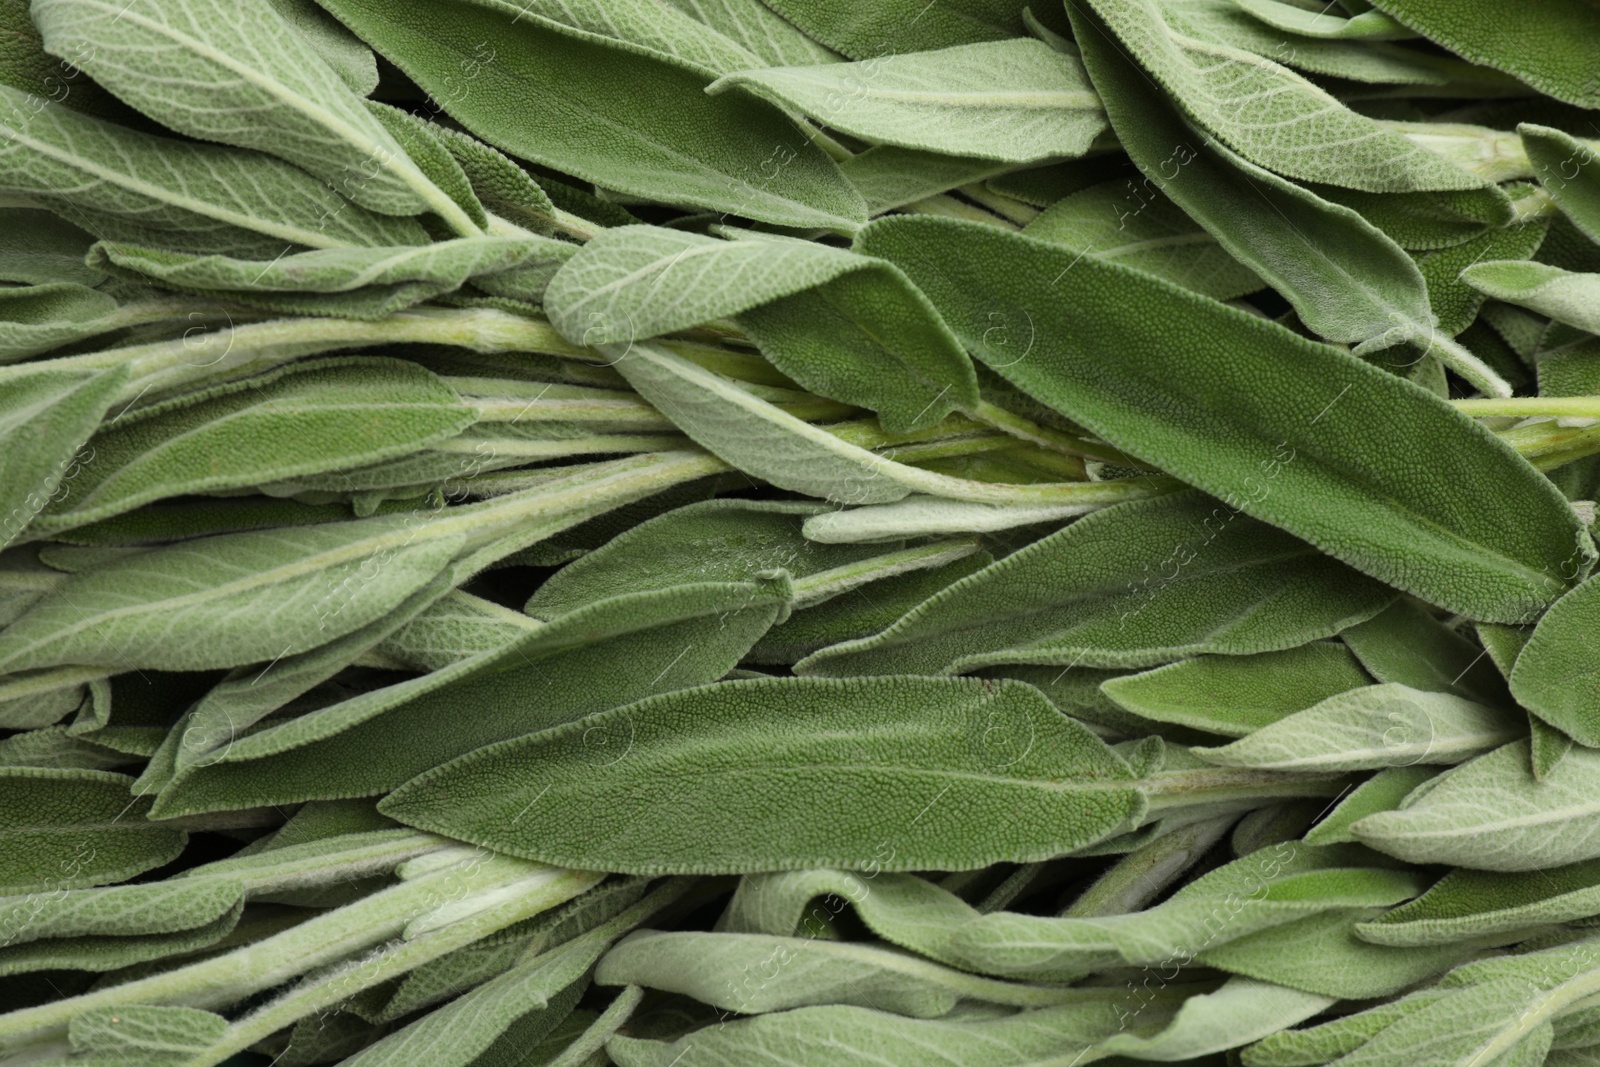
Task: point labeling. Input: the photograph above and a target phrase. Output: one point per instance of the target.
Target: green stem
(1459, 358)
(815, 588)
(496, 909)
(1580, 407)
(1137, 878)
(1043, 436)
(246, 349)
(318, 941)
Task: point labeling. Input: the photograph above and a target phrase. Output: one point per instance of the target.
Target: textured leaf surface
(228, 600)
(1345, 278)
(1370, 727)
(1569, 171)
(1491, 814)
(1267, 113)
(1557, 676)
(539, 90)
(1466, 904)
(1542, 44)
(124, 184)
(862, 334)
(639, 644)
(317, 416)
(1094, 595)
(199, 66)
(729, 971)
(900, 25)
(1293, 432)
(945, 773)
(46, 414)
(1235, 695)
(1563, 295)
(1142, 229)
(1014, 101)
(65, 829)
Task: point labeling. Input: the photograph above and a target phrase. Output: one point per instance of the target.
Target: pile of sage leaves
(689, 533)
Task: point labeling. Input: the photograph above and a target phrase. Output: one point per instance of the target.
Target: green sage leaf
(960, 774)
(1014, 101)
(1281, 438)
(542, 87)
(1098, 594)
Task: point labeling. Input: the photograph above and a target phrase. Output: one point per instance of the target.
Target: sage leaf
(1563, 295)
(1371, 727)
(1235, 695)
(1539, 46)
(728, 154)
(327, 414)
(144, 1033)
(209, 892)
(1268, 114)
(834, 339)
(454, 627)
(864, 598)
(66, 829)
(1265, 889)
(919, 516)
(758, 30)
(196, 65)
(249, 694)
(1478, 1022)
(1405, 644)
(1384, 791)
(45, 416)
(1474, 904)
(1327, 1041)
(1274, 445)
(738, 426)
(497, 180)
(888, 177)
(1241, 1011)
(1455, 304)
(1568, 171)
(229, 600)
(1491, 814)
(645, 643)
(99, 954)
(1094, 595)
(900, 25)
(730, 971)
(121, 183)
(1321, 954)
(39, 247)
(364, 283)
(659, 28)
(1555, 675)
(1364, 26)
(1427, 220)
(940, 759)
(37, 318)
(746, 541)
(1337, 55)
(1142, 229)
(901, 908)
(1014, 101)
(1346, 280)
(526, 1002)
(351, 60)
(851, 1034)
